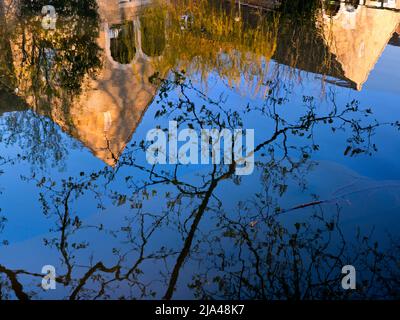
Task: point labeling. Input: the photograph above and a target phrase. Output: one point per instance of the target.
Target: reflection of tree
(7, 78)
(304, 261)
(304, 127)
(248, 253)
(58, 59)
(204, 37)
(39, 138)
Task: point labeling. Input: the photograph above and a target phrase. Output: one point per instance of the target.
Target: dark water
(318, 84)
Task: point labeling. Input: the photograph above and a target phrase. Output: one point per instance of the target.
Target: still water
(317, 81)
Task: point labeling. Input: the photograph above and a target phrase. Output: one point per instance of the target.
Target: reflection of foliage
(238, 43)
(48, 70)
(300, 262)
(66, 8)
(38, 137)
(277, 166)
(7, 79)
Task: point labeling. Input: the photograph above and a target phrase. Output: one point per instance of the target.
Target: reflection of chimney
(116, 11)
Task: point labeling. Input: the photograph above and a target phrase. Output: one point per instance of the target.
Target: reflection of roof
(8, 101)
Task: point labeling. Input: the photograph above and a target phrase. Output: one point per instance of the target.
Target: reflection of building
(348, 41)
(107, 112)
(357, 35)
(8, 101)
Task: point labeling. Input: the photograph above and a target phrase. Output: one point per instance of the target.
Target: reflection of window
(351, 5)
(122, 42)
(153, 35)
(332, 8)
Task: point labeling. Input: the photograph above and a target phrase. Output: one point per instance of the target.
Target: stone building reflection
(357, 33)
(110, 109)
(106, 112)
(348, 40)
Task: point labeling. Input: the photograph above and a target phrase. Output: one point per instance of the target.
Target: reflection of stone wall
(111, 106)
(107, 112)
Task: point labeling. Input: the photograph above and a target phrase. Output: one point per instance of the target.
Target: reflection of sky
(26, 224)
(385, 76)
(19, 200)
